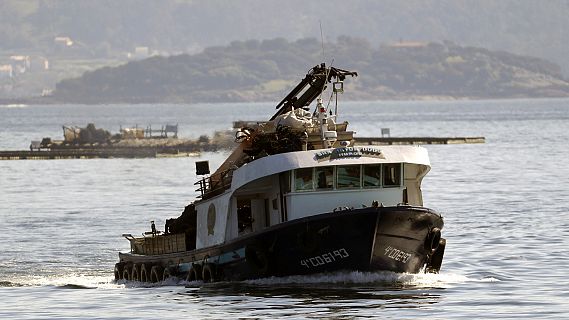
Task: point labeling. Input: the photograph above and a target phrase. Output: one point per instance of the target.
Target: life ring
(156, 273)
(144, 273)
(135, 273)
(432, 240)
(257, 260)
(209, 272)
(195, 273)
(118, 271)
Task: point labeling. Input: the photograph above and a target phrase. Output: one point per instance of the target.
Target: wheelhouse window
(324, 177)
(392, 175)
(303, 179)
(348, 177)
(367, 176)
(372, 175)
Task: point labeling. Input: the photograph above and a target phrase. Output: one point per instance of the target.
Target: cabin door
(252, 214)
(259, 209)
(244, 216)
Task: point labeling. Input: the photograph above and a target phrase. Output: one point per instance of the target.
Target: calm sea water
(505, 203)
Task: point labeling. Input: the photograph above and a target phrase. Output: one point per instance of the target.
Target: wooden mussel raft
(90, 142)
(296, 197)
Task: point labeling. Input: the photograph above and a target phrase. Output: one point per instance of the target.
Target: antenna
(322, 41)
(323, 59)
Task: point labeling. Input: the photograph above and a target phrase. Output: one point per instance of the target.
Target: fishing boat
(295, 197)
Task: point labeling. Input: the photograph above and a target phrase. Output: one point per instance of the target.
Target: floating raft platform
(95, 153)
(360, 141)
(184, 151)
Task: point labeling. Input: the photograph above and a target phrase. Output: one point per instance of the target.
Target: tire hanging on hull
(195, 273)
(118, 271)
(168, 273)
(432, 240)
(144, 273)
(156, 273)
(135, 273)
(126, 275)
(257, 260)
(436, 260)
(209, 272)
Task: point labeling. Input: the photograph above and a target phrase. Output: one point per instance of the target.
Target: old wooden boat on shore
(294, 198)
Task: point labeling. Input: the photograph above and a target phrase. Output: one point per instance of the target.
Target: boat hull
(398, 239)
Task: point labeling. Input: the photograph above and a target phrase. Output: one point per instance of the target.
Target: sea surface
(505, 204)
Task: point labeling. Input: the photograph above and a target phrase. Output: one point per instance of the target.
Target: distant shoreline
(51, 101)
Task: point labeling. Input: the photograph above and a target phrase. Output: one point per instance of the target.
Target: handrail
(213, 184)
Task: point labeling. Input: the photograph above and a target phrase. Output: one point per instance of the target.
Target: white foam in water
(172, 281)
(13, 105)
(356, 277)
(489, 279)
(68, 280)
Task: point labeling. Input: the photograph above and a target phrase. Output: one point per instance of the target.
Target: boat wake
(70, 281)
(382, 278)
(356, 277)
(10, 284)
(385, 278)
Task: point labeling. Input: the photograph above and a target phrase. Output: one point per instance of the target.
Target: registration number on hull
(397, 254)
(325, 258)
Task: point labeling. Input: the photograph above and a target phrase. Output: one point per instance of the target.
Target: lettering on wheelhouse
(348, 152)
(397, 255)
(325, 258)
